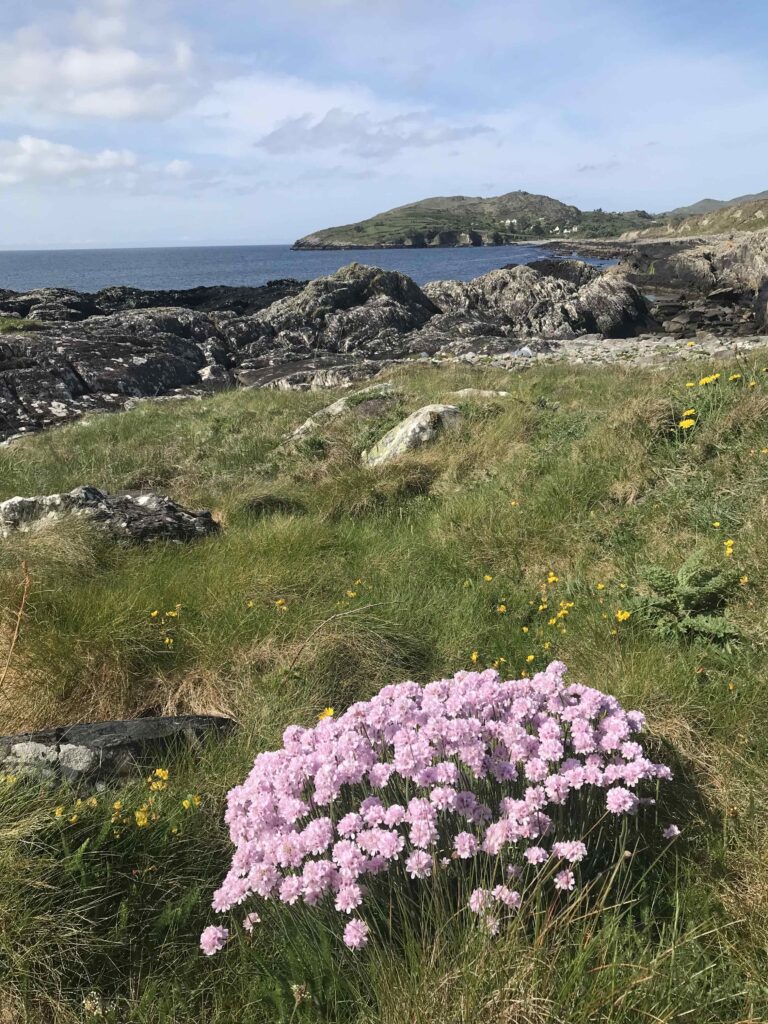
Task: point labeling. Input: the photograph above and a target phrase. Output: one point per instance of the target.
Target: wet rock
(124, 517)
(92, 751)
(418, 429)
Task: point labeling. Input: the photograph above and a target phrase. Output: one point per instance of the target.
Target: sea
(88, 270)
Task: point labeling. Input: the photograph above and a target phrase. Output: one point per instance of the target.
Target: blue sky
(156, 122)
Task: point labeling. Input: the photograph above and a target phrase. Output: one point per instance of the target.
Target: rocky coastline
(64, 354)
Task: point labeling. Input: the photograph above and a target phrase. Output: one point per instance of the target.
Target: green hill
(473, 220)
(751, 215)
(705, 206)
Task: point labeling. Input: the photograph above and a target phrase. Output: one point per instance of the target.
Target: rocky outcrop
(62, 305)
(93, 751)
(358, 309)
(127, 518)
(525, 303)
(418, 429)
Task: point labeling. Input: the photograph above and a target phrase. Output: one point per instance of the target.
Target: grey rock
(341, 406)
(416, 430)
(90, 752)
(125, 517)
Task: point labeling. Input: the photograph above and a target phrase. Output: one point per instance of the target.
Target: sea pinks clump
(472, 775)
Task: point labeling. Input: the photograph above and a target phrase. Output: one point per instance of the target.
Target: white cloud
(29, 159)
(99, 63)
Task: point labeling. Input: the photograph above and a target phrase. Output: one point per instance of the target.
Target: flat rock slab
(94, 750)
(126, 518)
(384, 391)
(418, 429)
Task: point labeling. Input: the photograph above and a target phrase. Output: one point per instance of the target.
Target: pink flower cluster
(470, 771)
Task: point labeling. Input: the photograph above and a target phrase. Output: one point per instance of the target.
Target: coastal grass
(328, 581)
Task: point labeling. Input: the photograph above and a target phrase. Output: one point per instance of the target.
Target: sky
(205, 122)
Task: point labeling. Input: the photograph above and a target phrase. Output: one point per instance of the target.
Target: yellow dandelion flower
(752, 384)
(351, 593)
(530, 658)
(73, 818)
(716, 524)
(744, 580)
(249, 604)
(552, 622)
(525, 629)
(600, 586)
(514, 503)
(141, 817)
(58, 811)
(546, 646)
(686, 424)
(117, 805)
(168, 641)
(487, 578)
(735, 376)
(326, 713)
(622, 615)
(93, 802)
(473, 657)
(502, 609)
(689, 412)
(154, 614)
(162, 773)
(614, 632)
(552, 578)
(690, 344)
(186, 803)
(690, 384)
(172, 615)
(197, 799)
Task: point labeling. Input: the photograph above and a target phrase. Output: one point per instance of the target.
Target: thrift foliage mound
(505, 776)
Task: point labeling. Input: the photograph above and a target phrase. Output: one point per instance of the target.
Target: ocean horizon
(181, 267)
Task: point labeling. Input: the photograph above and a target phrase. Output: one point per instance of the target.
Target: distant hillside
(472, 220)
(734, 216)
(705, 206)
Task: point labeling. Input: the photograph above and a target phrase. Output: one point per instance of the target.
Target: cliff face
(449, 221)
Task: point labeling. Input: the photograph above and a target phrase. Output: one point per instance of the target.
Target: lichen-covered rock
(416, 430)
(384, 391)
(528, 304)
(357, 309)
(125, 517)
(93, 750)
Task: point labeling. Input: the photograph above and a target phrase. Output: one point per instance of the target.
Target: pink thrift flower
(621, 801)
(671, 832)
(565, 880)
(419, 864)
(213, 939)
(348, 898)
(250, 920)
(465, 845)
(356, 933)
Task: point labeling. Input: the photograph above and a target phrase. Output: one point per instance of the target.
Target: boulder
(92, 751)
(124, 517)
(416, 430)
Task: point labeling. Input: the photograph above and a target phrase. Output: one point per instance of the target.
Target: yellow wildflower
(525, 629)
(72, 819)
(752, 384)
(172, 614)
(93, 802)
(502, 609)
(622, 615)
(162, 773)
(690, 384)
(142, 817)
(552, 578)
(351, 593)
(197, 800)
(690, 344)
(326, 713)
(546, 646)
(552, 622)
(735, 376)
(514, 503)
(168, 641)
(473, 657)
(689, 412)
(249, 604)
(600, 586)
(487, 578)
(186, 803)
(530, 658)
(58, 811)
(744, 580)
(716, 524)
(117, 805)
(687, 423)
(154, 613)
